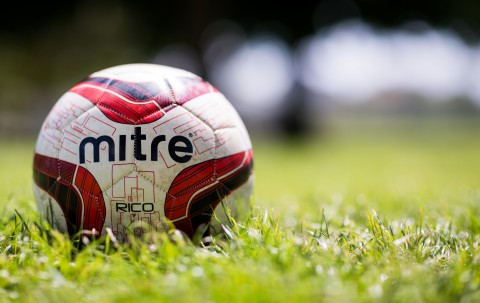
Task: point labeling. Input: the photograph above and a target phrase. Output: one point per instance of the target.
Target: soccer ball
(137, 148)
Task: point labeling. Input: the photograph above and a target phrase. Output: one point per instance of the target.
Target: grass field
(371, 211)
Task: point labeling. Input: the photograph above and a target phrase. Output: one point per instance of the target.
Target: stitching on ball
(172, 93)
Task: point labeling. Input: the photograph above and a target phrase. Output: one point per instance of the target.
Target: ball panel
(49, 209)
(198, 189)
(216, 112)
(75, 190)
(65, 123)
(140, 102)
(94, 210)
(125, 102)
(56, 178)
(134, 197)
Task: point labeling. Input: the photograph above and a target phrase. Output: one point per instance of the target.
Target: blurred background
(288, 67)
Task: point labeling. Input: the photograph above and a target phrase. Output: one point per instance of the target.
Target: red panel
(94, 211)
(194, 184)
(140, 103)
(56, 177)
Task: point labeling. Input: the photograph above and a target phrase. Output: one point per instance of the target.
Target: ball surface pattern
(137, 147)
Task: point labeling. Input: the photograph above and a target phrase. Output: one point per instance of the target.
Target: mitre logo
(180, 148)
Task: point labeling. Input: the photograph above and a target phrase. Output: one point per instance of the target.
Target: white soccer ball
(137, 147)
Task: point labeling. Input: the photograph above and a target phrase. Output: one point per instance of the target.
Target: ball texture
(137, 148)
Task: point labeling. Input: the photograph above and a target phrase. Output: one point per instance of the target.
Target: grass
(372, 211)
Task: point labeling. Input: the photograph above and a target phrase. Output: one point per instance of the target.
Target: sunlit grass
(377, 211)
